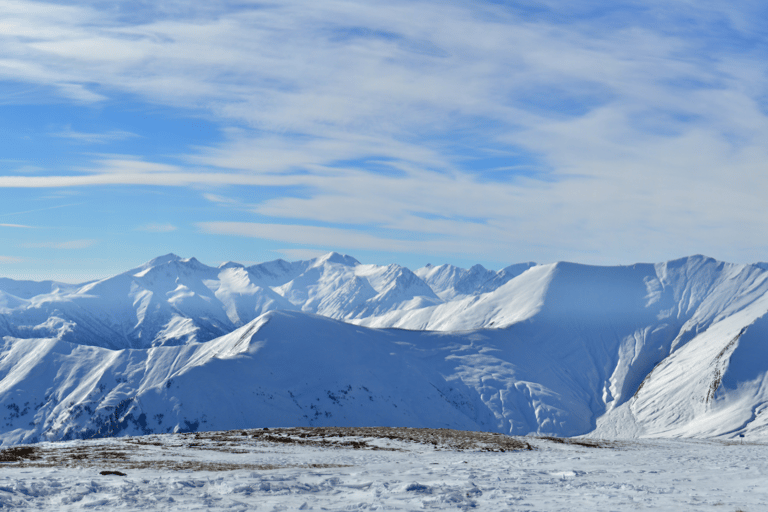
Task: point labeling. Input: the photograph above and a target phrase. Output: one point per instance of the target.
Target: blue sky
(412, 132)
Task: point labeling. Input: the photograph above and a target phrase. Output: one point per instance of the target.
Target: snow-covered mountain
(672, 349)
(172, 301)
(451, 282)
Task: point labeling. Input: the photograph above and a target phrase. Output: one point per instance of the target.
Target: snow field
(660, 475)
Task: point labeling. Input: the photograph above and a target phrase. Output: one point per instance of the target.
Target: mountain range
(648, 350)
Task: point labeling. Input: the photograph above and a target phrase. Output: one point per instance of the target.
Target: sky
(405, 132)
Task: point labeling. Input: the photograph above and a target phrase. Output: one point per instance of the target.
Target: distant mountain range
(672, 349)
(173, 301)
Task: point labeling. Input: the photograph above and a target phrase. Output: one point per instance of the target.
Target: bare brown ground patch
(94, 456)
(579, 441)
(179, 452)
(19, 453)
(441, 439)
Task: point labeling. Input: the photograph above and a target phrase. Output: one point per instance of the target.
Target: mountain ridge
(164, 301)
(668, 349)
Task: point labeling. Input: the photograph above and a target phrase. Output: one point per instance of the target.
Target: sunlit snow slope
(673, 349)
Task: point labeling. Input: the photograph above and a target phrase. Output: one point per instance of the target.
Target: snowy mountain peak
(230, 264)
(193, 262)
(162, 260)
(517, 268)
(335, 257)
(477, 269)
(451, 282)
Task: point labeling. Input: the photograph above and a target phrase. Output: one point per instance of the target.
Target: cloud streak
(70, 244)
(94, 138)
(157, 228)
(20, 226)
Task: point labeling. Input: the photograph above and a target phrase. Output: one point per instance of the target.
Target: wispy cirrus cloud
(69, 244)
(34, 210)
(93, 138)
(581, 131)
(345, 72)
(20, 226)
(223, 200)
(154, 227)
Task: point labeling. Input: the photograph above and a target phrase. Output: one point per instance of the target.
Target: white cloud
(94, 138)
(309, 70)
(646, 135)
(157, 228)
(70, 244)
(75, 244)
(177, 179)
(215, 198)
(41, 209)
(10, 259)
(22, 226)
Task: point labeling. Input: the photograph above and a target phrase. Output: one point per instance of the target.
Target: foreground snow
(363, 470)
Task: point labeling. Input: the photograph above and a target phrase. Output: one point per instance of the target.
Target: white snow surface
(676, 349)
(658, 475)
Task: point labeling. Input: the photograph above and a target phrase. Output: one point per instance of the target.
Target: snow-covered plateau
(383, 469)
(675, 349)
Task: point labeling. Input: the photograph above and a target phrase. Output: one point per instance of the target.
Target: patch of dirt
(82, 454)
(577, 441)
(441, 439)
(177, 452)
(143, 441)
(19, 453)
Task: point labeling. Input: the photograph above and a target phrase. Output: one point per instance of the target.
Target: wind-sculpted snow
(672, 349)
